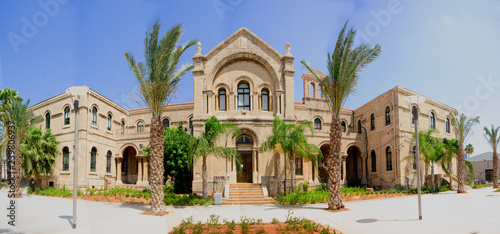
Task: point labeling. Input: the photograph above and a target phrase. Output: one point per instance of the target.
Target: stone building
(245, 81)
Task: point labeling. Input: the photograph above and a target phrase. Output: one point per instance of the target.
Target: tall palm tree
(39, 150)
(205, 145)
(158, 79)
(462, 126)
(450, 153)
(273, 143)
(343, 67)
(22, 119)
(6, 95)
(493, 138)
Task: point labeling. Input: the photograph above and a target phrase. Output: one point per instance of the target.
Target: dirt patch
(335, 211)
(373, 196)
(282, 227)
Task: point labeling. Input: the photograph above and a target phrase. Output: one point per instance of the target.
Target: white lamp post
(75, 91)
(416, 100)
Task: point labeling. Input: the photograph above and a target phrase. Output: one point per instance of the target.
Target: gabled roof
(487, 156)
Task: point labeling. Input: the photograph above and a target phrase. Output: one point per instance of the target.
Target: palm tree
(39, 150)
(427, 143)
(21, 118)
(206, 145)
(158, 79)
(450, 153)
(469, 149)
(273, 143)
(493, 138)
(343, 67)
(462, 126)
(6, 95)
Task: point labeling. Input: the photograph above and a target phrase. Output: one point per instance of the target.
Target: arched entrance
(129, 166)
(244, 146)
(322, 170)
(353, 166)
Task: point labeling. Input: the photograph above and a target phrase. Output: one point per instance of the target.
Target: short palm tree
(205, 145)
(450, 153)
(6, 95)
(158, 79)
(39, 150)
(273, 143)
(493, 138)
(427, 143)
(462, 126)
(469, 149)
(22, 119)
(343, 67)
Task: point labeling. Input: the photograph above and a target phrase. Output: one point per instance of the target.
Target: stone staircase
(246, 194)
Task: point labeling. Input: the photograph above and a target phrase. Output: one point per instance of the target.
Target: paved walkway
(478, 211)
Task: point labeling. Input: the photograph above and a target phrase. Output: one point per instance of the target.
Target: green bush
(186, 200)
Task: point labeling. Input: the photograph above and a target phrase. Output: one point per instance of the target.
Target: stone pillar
(139, 170)
(255, 173)
(146, 175)
(344, 169)
(119, 170)
(363, 170)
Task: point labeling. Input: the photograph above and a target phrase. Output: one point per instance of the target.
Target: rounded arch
(243, 79)
(125, 146)
(244, 56)
(352, 144)
(220, 86)
(48, 112)
(265, 85)
(251, 133)
(66, 105)
(94, 105)
(140, 120)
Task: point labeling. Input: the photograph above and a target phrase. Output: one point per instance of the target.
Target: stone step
(248, 203)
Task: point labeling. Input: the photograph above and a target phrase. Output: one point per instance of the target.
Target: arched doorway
(244, 146)
(130, 166)
(353, 166)
(322, 170)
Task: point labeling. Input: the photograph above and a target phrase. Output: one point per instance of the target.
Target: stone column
(344, 169)
(255, 173)
(119, 170)
(139, 170)
(363, 170)
(146, 175)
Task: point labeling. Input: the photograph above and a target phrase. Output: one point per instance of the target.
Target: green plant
(231, 225)
(198, 228)
(275, 221)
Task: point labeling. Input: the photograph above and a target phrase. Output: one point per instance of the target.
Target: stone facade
(245, 81)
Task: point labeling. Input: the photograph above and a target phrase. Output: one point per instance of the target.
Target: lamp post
(75, 91)
(414, 110)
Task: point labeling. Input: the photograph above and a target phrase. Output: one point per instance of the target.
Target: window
(94, 116)
(265, 100)
(65, 166)
(414, 157)
(447, 125)
(388, 158)
(110, 120)
(312, 90)
(387, 116)
(343, 125)
(123, 127)
(244, 140)
(374, 161)
(222, 100)
(66, 115)
(413, 118)
(108, 162)
(140, 126)
(243, 97)
(317, 124)
(93, 155)
(298, 166)
(433, 121)
(320, 91)
(165, 123)
(47, 121)
(359, 126)
(191, 125)
(372, 122)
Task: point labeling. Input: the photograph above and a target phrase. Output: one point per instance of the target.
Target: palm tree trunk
(495, 168)
(450, 170)
(156, 165)
(333, 163)
(426, 175)
(460, 168)
(432, 177)
(292, 171)
(204, 176)
(17, 169)
(278, 173)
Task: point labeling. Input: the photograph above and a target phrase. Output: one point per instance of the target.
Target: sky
(446, 50)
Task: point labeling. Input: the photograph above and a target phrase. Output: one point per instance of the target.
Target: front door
(245, 174)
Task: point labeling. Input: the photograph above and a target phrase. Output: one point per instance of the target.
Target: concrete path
(478, 211)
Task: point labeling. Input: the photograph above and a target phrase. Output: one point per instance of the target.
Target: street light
(75, 91)
(416, 100)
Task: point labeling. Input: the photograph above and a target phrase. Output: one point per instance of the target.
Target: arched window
(359, 127)
(110, 121)
(123, 127)
(447, 125)
(65, 163)
(93, 156)
(140, 126)
(94, 116)
(298, 166)
(414, 157)
(388, 158)
(374, 161)
(312, 90)
(317, 124)
(387, 116)
(343, 125)
(372, 122)
(265, 100)
(191, 127)
(320, 91)
(47, 121)
(66, 115)
(433, 120)
(222, 100)
(412, 110)
(166, 123)
(243, 97)
(244, 140)
(108, 162)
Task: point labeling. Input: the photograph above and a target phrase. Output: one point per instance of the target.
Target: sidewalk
(474, 212)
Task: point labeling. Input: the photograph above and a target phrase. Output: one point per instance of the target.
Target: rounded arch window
(265, 100)
(244, 140)
(65, 163)
(372, 122)
(388, 155)
(93, 159)
(47, 121)
(433, 120)
(94, 116)
(140, 126)
(359, 127)
(387, 116)
(373, 157)
(317, 124)
(123, 127)
(110, 121)
(108, 162)
(447, 121)
(191, 127)
(243, 96)
(66, 115)
(165, 123)
(222, 100)
(343, 125)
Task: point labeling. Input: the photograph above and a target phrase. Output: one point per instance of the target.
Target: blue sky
(446, 50)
